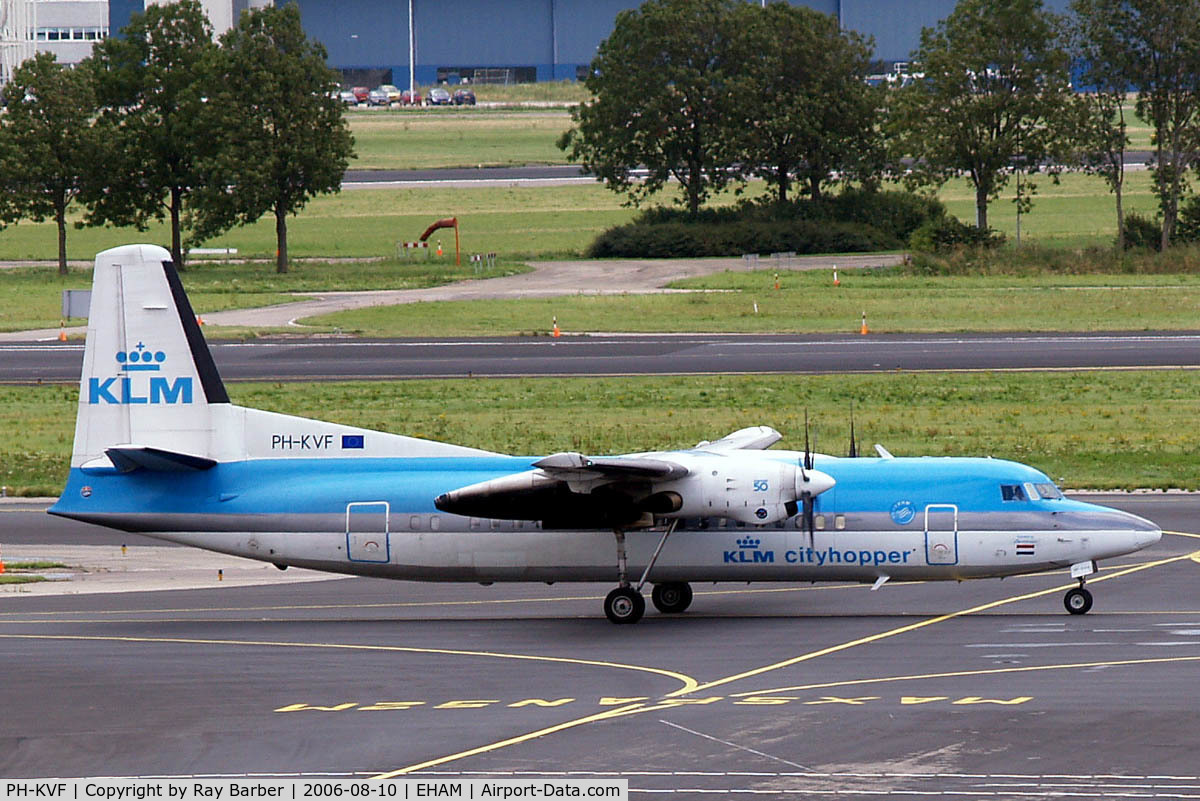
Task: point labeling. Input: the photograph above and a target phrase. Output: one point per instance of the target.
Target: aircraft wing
(567, 490)
(754, 438)
(730, 478)
(563, 464)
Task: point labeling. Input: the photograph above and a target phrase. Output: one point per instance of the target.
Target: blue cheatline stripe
(322, 485)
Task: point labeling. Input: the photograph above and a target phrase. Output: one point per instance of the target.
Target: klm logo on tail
(132, 389)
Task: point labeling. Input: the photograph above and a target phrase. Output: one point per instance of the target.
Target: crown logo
(140, 359)
(748, 542)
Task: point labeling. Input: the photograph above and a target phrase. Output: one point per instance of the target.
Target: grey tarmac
(984, 689)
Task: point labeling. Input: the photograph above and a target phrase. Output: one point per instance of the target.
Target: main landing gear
(626, 604)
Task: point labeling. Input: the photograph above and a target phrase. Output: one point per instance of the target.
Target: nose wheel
(1078, 601)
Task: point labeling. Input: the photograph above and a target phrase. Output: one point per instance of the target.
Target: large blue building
(519, 40)
(544, 39)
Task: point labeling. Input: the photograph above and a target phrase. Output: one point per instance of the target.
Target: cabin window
(819, 522)
(414, 522)
(495, 524)
(476, 524)
(1049, 492)
(1012, 492)
(839, 522)
(435, 523)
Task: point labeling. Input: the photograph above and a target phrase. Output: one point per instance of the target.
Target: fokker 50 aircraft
(160, 450)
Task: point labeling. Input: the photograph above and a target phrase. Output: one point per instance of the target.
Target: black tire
(672, 597)
(624, 605)
(1078, 601)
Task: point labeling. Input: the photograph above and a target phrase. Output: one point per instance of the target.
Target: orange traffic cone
(62, 333)
(777, 280)
(836, 282)
(200, 319)
(439, 247)
(863, 330)
(1, 563)
(556, 333)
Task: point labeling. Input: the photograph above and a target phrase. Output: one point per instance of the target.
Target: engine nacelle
(748, 489)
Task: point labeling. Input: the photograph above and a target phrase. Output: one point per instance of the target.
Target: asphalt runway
(984, 689)
(644, 354)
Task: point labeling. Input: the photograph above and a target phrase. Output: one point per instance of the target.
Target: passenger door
(367, 538)
(941, 534)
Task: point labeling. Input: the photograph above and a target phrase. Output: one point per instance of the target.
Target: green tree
(1162, 38)
(805, 108)
(994, 80)
(1106, 71)
(664, 100)
(281, 136)
(49, 146)
(149, 82)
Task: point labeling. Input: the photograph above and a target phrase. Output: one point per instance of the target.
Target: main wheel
(1078, 601)
(624, 605)
(672, 597)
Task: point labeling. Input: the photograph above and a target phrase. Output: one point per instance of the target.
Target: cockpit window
(1049, 492)
(1012, 492)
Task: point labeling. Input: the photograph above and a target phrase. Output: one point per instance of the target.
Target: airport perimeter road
(986, 689)
(645, 354)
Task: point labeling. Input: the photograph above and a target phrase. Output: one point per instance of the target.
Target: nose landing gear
(1078, 601)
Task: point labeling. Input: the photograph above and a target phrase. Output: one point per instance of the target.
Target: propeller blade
(809, 519)
(853, 443)
(808, 460)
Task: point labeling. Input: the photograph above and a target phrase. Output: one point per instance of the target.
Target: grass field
(808, 302)
(31, 297)
(531, 223)
(412, 139)
(518, 222)
(1086, 429)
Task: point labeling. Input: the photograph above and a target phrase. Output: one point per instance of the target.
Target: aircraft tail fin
(150, 397)
(149, 380)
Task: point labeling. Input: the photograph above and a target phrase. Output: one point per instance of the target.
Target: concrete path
(547, 279)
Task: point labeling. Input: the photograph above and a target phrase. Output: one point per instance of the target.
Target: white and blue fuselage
(906, 518)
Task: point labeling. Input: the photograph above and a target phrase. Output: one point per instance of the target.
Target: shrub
(1142, 233)
(1187, 227)
(691, 240)
(897, 213)
(854, 221)
(948, 233)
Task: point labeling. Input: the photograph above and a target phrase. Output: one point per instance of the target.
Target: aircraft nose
(1145, 532)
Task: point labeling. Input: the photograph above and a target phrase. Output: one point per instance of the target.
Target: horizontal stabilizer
(128, 458)
(754, 438)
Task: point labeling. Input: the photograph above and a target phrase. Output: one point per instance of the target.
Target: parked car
(361, 92)
(464, 97)
(348, 97)
(438, 97)
(383, 95)
(410, 97)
